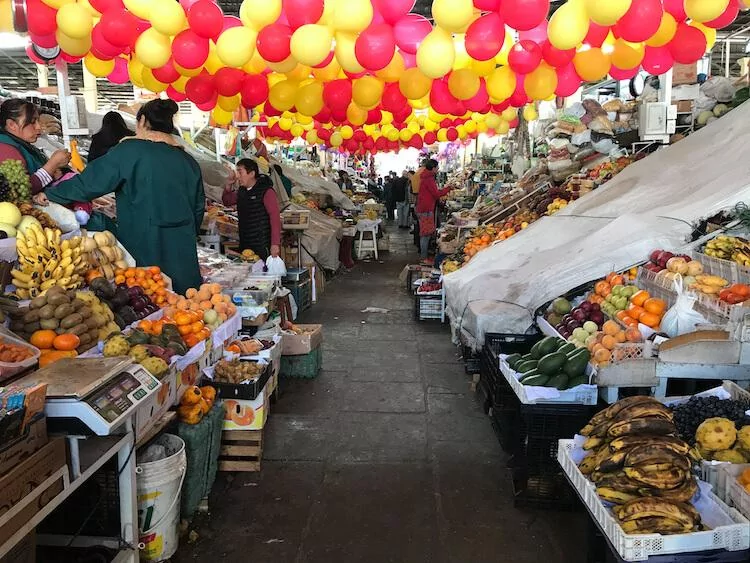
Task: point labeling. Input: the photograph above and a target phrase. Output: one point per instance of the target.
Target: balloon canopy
(319, 70)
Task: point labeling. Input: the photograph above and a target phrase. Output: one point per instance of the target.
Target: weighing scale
(101, 394)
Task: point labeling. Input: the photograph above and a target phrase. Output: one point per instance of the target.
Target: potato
(47, 312)
(63, 311)
(71, 321)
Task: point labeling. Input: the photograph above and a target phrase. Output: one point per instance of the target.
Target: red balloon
(103, 6)
(410, 31)
(688, 44)
(351, 145)
(368, 143)
(430, 138)
(324, 116)
(337, 94)
(167, 73)
(729, 15)
(44, 41)
(100, 47)
(269, 110)
(556, 57)
(303, 12)
(523, 15)
(175, 95)
(393, 10)
(441, 100)
(620, 74)
(416, 142)
(485, 37)
(229, 22)
(254, 90)
(501, 107)
(375, 47)
(514, 123)
(200, 89)
(657, 60)
(326, 62)
(568, 81)
(480, 99)
(31, 53)
(393, 100)
(119, 27)
(641, 21)
(274, 42)
(596, 35)
(487, 5)
(324, 134)
(525, 56)
(452, 134)
(189, 49)
(374, 116)
(71, 59)
(676, 8)
(359, 135)
(40, 18)
(206, 19)
(229, 81)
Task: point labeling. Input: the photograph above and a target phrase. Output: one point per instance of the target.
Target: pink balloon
(641, 21)
(485, 37)
(441, 100)
(254, 90)
(40, 18)
(523, 15)
(410, 31)
(596, 35)
(688, 44)
(274, 42)
(556, 57)
(187, 4)
(393, 100)
(410, 61)
(100, 47)
(620, 74)
(676, 8)
(206, 19)
(657, 60)
(189, 49)
(487, 5)
(393, 10)
(175, 95)
(568, 81)
(375, 47)
(167, 73)
(538, 34)
(230, 22)
(480, 99)
(103, 6)
(44, 41)
(729, 15)
(337, 94)
(120, 73)
(119, 27)
(524, 56)
(200, 89)
(303, 12)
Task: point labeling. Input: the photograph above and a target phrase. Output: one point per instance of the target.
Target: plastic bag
(276, 266)
(64, 217)
(681, 318)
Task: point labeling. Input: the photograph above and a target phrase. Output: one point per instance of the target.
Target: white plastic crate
(583, 394)
(430, 307)
(736, 495)
(734, 537)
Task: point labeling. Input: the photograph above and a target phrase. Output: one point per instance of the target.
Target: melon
(9, 214)
(26, 222)
(9, 230)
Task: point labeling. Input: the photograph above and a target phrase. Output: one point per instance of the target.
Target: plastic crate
(499, 343)
(302, 294)
(549, 491)
(734, 537)
(305, 366)
(736, 495)
(582, 394)
(429, 307)
(472, 360)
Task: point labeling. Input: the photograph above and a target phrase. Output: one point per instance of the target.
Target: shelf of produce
(511, 207)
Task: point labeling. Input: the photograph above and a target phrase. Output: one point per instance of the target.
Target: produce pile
(104, 255)
(128, 304)
(249, 346)
(725, 247)
(207, 299)
(15, 184)
(638, 464)
(195, 403)
(237, 371)
(149, 279)
(153, 353)
(12, 353)
(552, 362)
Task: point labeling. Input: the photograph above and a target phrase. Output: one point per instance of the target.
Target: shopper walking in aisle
(19, 130)
(415, 180)
(403, 187)
(257, 210)
(429, 194)
(159, 190)
(390, 202)
(113, 131)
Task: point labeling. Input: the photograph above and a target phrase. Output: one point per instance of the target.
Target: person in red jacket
(427, 199)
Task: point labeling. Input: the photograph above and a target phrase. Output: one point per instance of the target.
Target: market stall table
(371, 226)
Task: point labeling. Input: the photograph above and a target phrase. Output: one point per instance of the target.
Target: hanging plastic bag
(276, 266)
(681, 318)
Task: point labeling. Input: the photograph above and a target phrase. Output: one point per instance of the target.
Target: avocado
(577, 362)
(567, 348)
(536, 381)
(546, 346)
(533, 373)
(560, 381)
(512, 360)
(551, 363)
(576, 381)
(523, 367)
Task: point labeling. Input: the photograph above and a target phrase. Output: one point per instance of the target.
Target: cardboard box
(243, 414)
(684, 106)
(298, 344)
(23, 552)
(685, 74)
(24, 480)
(20, 449)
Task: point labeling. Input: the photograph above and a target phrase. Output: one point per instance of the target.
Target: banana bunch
(709, 285)
(658, 516)
(45, 261)
(635, 456)
(729, 248)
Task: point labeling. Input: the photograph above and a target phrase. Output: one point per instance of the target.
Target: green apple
(580, 334)
(590, 327)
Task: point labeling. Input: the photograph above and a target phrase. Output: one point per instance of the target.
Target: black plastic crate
(472, 360)
(499, 343)
(246, 391)
(545, 491)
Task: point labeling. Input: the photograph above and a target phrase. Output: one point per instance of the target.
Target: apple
(580, 333)
(590, 327)
(566, 318)
(586, 306)
(620, 302)
(565, 334)
(572, 325)
(654, 257)
(579, 315)
(664, 257)
(595, 307)
(598, 318)
(694, 268)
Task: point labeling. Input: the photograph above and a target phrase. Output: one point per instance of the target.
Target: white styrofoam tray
(533, 395)
(732, 537)
(736, 494)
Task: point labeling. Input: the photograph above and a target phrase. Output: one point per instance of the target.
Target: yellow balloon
(274, 78)
(705, 10)
(413, 127)
(57, 4)
(529, 113)
(213, 62)
(508, 42)
(287, 65)
(167, 16)
(501, 83)
(91, 10)
(299, 73)
(627, 55)
(355, 114)
(493, 120)
(329, 72)
(405, 135)
(414, 85)
(139, 8)
(509, 114)
(482, 127)
(285, 124)
(75, 21)
(665, 33)
(709, 32)
(503, 128)
(188, 71)
(98, 67)
(151, 83)
(442, 135)
(422, 103)
(153, 49)
(230, 103)
(483, 68)
(336, 139)
(463, 60)
(541, 82)
(471, 126)
(367, 91)
(297, 130)
(436, 54)
(386, 117)
(180, 83)
(311, 44)
(453, 15)
(345, 52)
(352, 15)
(346, 132)
(462, 133)
(607, 13)
(74, 47)
(393, 71)
(592, 64)
(463, 84)
(259, 13)
(236, 46)
(312, 138)
(430, 125)
(221, 117)
(135, 72)
(568, 26)
(303, 119)
(309, 99)
(256, 64)
(282, 95)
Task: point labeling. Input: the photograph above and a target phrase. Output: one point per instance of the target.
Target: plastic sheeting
(321, 238)
(312, 184)
(651, 204)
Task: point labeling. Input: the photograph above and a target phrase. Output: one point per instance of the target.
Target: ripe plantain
(611, 412)
(649, 454)
(655, 525)
(616, 496)
(593, 442)
(627, 442)
(646, 409)
(658, 426)
(647, 507)
(612, 462)
(659, 479)
(683, 493)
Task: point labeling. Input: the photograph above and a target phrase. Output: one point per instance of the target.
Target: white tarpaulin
(651, 204)
(321, 239)
(317, 185)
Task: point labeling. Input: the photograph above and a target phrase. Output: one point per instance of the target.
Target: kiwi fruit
(38, 302)
(71, 321)
(31, 316)
(49, 324)
(63, 311)
(77, 304)
(78, 330)
(85, 338)
(57, 299)
(92, 322)
(85, 312)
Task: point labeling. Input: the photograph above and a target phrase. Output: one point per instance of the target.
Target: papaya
(190, 414)
(209, 394)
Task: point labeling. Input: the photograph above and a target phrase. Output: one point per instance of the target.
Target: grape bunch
(18, 180)
(4, 189)
(688, 416)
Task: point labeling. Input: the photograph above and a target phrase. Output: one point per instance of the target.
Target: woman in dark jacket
(112, 132)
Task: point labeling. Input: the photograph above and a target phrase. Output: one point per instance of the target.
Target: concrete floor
(385, 457)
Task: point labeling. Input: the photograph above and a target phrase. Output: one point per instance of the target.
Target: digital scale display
(112, 401)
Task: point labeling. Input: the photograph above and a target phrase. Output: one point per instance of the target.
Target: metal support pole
(727, 57)
(128, 502)
(90, 94)
(42, 75)
(67, 104)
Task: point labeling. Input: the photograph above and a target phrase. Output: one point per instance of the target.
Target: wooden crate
(241, 450)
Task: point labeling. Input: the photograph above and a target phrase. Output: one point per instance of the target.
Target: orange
(183, 318)
(609, 342)
(602, 288)
(635, 311)
(649, 319)
(640, 298)
(655, 306)
(190, 340)
(66, 342)
(616, 280)
(185, 330)
(622, 315)
(740, 289)
(610, 328)
(43, 339)
(154, 270)
(631, 322)
(196, 327)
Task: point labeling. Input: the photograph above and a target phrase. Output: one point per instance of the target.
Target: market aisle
(385, 457)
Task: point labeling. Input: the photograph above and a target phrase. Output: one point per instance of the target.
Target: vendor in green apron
(159, 190)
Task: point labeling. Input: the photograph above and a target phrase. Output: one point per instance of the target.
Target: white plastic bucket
(158, 485)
